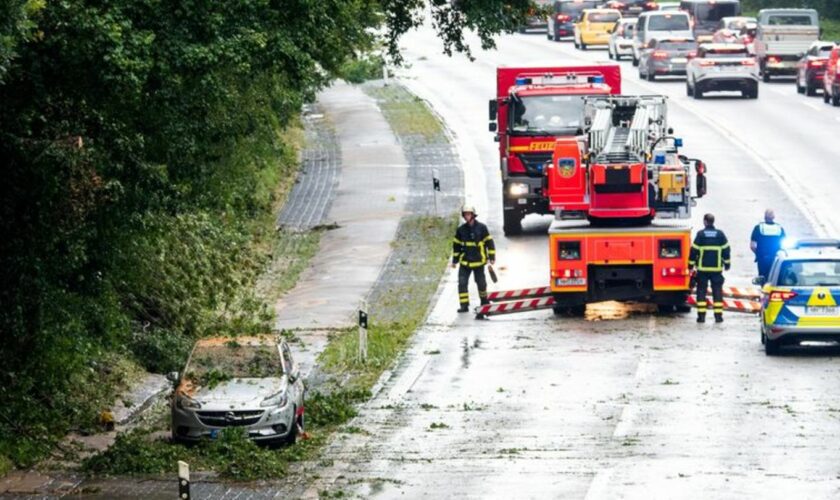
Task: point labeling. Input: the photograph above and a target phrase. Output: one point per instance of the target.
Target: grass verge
(406, 113)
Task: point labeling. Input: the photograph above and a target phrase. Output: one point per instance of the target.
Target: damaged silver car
(246, 382)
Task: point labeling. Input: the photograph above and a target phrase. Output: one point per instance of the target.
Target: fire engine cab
(618, 194)
(534, 106)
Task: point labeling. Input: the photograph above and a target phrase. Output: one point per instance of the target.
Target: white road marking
(600, 483)
(812, 106)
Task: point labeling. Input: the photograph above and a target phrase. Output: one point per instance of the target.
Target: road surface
(620, 404)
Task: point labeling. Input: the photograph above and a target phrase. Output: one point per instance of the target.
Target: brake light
(562, 18)
(781, 296)
(650, 5)
(816, 64)
(773, 59)
(748, 62)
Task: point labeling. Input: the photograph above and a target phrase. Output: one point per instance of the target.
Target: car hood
(239, 392)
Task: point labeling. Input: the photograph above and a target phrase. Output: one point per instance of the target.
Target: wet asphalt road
(618, 405)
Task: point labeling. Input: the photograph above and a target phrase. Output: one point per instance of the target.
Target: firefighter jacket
(710, 252)
(473, 246)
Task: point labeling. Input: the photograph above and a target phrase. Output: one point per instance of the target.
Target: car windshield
(669, 45)
(214, 362)
(825, 51)
(574, 8)
(727, 53)
(790, 20)
(604, 17)
(714, 12)
(547, 114)
(809, 273)
(737, 24)
(668, 22)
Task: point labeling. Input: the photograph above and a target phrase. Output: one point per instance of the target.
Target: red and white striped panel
(543, 291)
(741, 292)
(515, 306)
(734, 305)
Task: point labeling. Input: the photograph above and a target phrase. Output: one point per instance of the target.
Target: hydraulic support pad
(734, 305)
(515, 306)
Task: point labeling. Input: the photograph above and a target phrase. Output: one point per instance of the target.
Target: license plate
(570, 281)
(821, 311)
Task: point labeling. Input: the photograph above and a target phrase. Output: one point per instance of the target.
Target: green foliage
(335, 408)
(366, 67)
(828, 9)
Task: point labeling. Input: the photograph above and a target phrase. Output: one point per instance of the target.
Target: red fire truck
(613, 192)
(533, 106)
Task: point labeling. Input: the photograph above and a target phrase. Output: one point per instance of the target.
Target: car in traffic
(249, 383)
(536, 21)
(729, 29)
(631, 8)
(669, 6)
(799, 299)
(594, 27)
(656, 24)
(564, 13)
(810, 70)
(666, 57)
(782, 37)
(831, 79)
(722, 67)
(706, 15)
(621, 38)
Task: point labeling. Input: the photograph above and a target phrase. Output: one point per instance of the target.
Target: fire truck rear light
(578, 273)
(567, 273)
(781, 296)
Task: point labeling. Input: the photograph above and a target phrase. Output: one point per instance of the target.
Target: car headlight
(187, 403)
(279, 399)
(518, 189)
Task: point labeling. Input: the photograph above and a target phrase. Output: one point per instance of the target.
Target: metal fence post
(183, 480)
(435, 187)
(363, 326)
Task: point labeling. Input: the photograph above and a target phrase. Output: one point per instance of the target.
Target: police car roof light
(817, 243)
(678, 142)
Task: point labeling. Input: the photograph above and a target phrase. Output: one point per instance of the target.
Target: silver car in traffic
(722, 67)
(251, 383)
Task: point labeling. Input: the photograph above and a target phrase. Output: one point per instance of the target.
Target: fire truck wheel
(664, 308)
(570, 311)
(512, 223)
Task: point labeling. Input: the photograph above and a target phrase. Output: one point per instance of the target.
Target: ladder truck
(618, 194)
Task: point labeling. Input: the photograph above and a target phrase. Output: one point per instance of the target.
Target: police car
(799, 299)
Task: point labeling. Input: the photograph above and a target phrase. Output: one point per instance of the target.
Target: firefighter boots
(701, 317)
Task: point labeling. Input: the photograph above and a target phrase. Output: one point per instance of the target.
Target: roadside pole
(435, 187)
(183, 480)
(363, 326)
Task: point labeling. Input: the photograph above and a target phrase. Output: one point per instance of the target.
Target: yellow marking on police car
(821, 297)
(771, 313)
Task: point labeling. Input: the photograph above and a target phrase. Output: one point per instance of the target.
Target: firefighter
(710, 254)
(766, 241)
(472, 248)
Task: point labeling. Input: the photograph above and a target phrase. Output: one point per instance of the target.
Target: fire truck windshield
(546, 114)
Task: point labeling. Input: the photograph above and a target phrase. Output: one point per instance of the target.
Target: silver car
(621, 38)
(246, 382)
(721, 67)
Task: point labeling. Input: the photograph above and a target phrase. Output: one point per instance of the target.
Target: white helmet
(468, 208)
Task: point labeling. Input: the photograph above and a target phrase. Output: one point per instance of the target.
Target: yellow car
(799, 300)
(594, 27)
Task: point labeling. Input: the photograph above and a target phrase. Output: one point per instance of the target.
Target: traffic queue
(710, 43)
(585, 162)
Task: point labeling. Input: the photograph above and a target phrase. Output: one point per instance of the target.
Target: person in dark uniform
(472, 248)
(766, 241)
(710, 254)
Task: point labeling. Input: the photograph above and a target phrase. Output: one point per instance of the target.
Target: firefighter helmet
(468, 208)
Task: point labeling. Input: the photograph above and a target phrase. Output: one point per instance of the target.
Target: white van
(658, 24)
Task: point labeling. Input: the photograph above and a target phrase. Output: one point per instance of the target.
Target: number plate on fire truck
(570, 281)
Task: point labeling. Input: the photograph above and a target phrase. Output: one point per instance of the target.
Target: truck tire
(512, 223)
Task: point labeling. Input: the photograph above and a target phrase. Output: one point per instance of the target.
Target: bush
(366, 67)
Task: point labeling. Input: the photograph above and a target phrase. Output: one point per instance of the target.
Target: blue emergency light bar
(792, 243)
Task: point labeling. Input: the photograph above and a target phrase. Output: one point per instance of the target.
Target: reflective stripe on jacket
(473, 246)
(710, 251)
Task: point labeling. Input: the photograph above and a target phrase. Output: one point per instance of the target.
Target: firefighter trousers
(464, 281)
(704, 279)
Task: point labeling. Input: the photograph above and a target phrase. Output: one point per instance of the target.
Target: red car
(810, 69)
(831, 81)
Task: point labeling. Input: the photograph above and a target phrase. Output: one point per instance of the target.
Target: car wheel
(799, 88)
(635, 60)
(651, 75)
(754, 93)
(766, 77)
(810, 91)
(548, 35)
(835, 100)
(698, 92)
(771, 347)
(291, 437)
(582, 46)
(763, 338)
(688, 90)
(610, 54)
(512, 223)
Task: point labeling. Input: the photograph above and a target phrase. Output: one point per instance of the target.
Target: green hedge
(828, 9)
